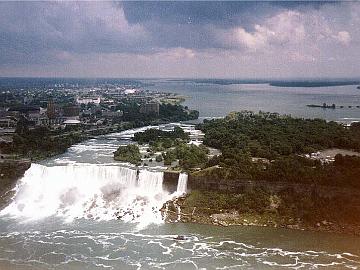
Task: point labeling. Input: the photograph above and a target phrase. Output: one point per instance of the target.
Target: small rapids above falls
(97, 192)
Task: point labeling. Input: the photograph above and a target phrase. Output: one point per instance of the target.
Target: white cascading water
(89, 191)
(182, 184)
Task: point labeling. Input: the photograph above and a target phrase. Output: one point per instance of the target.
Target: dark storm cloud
(32, 28)
(198, 13)
(191, 24)
(223, 14)
(147, 35)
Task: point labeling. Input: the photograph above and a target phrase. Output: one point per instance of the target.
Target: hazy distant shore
(278, 83)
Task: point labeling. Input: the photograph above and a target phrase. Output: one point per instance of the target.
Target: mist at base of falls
(85, 182)
(98, 192)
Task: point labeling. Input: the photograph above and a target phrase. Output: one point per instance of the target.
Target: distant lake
(214, 99)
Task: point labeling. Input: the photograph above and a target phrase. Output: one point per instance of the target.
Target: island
(129, 153)
(269, 173)
(165, 147)
(324, 106)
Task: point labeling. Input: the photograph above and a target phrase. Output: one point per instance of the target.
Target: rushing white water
(151, 181)
(182, 184)
(89, 191)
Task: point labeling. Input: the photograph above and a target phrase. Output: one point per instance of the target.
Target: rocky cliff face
(262, 203)
(10, 172)
(170, 181)
(246, 185)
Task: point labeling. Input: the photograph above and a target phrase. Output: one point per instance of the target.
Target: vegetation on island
(160, 140)
(281, 141)
(270, 135)
(128, 153)
(155, 135)
(189, 155)
(173, 145)
(267, 151)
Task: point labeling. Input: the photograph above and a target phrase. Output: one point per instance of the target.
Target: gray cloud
(179, 38)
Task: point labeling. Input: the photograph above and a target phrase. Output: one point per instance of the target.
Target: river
(65, 216)
(217, 100)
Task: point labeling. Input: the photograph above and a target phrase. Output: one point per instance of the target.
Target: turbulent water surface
(82, 210)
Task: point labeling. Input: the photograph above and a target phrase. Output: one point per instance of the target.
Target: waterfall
(182, 184)
(97, 192)
(151, 181)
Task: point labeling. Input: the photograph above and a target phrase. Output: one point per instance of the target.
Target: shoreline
(321, 229)
(328, 227)
(175, 211)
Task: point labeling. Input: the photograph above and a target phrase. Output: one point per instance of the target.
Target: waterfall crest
(89, 191)
(100, 192)
(182, 184)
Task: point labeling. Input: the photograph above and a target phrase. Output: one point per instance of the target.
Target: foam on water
(89, 191)
(60, 250)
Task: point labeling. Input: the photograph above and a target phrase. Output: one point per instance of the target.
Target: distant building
(112, 114)
(88, 100)
(71, 111)
(130, 91)
(51, 111)
(72, 122)
(7, 122)
(45, 121)
(25, 110)
(151, 107)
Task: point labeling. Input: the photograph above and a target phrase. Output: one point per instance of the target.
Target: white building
(88, 100)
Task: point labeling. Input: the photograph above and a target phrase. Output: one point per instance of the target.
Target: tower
(50, 109)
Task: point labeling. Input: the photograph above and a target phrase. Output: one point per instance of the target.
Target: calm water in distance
(215, 100)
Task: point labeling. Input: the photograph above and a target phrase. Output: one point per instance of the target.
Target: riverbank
(187, 210)
(278, 204)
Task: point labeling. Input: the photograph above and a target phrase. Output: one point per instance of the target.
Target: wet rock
(10, 172)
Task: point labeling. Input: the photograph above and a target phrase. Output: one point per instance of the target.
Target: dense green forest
(271, 135)
(189, 155)
(129, 153)
(281, 140)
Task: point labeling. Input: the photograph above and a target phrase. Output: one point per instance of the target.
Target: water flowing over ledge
(99, 192)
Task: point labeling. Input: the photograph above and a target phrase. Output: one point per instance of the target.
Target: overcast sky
(180, 39)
